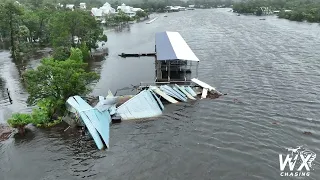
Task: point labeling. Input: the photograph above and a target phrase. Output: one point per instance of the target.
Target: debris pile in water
(5, 132)
(96, 114)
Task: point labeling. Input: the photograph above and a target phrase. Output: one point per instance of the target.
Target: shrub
(76, 54)
(19, 120)
(61, 53)
(39, 117)
(85, 51)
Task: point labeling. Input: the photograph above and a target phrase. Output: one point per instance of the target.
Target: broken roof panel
(143, 105)
(171, 46)
(97, 122)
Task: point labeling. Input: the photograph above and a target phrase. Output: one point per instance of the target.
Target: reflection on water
(122, 28)
(24, 139)
(2, 90)
(11, 71)
(268, 68)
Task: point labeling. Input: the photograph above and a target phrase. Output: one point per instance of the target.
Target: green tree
(43, 29)
(61, 53)
(140, 14)
(301, 10)
(10, 16)
(259, 12)
(31, 20)
(76, 54)
(19, 121)
(85, 51)
(57, 80)
(66, 25)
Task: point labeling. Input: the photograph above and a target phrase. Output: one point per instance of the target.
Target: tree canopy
(300, 10)
(50, 85)
(66, 25)
(58, 80)
(29, 25)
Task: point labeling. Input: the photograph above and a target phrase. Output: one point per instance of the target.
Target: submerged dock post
(10, 100)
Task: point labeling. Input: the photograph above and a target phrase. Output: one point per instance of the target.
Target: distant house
(180, 8)
(100, 13)
(130, 11)
(107, 9)
(83, 6)
(137, 9)
(70, 6)
(97, 13)
(172, 8)
(60, 5)
(266, 11)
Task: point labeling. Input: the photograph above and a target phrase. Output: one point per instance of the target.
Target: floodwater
(270, 70)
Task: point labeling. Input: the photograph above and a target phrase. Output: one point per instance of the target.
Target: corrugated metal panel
(79, 108)
(143, 105)
(158, 100)
(171, 46)
(191, 91)
(203, 84)
(171, 94)
(163, 94)
(178, 91)
(183, 90)
(97, 122)
(168, 90)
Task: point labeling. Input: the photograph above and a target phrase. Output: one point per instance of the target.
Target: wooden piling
(124, 55)
(10, 100)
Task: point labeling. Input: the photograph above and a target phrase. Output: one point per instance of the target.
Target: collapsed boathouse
(174, 64)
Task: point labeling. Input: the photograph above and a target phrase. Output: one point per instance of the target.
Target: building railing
(164, 82)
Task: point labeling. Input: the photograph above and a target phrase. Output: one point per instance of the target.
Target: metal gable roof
(171, 46)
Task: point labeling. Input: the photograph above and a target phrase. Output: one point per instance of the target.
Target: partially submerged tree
(19, 121)
(117, 19)
(10, 13)
(56, 81)
(61, 53)
(65, 26)
(141, 14)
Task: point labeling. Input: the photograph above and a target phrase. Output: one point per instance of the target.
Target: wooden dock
(124, 55)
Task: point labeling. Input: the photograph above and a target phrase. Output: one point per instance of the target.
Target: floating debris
(5, 132)
(307, 133)
(149, 22)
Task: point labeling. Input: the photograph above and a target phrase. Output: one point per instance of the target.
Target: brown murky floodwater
(270, 70)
